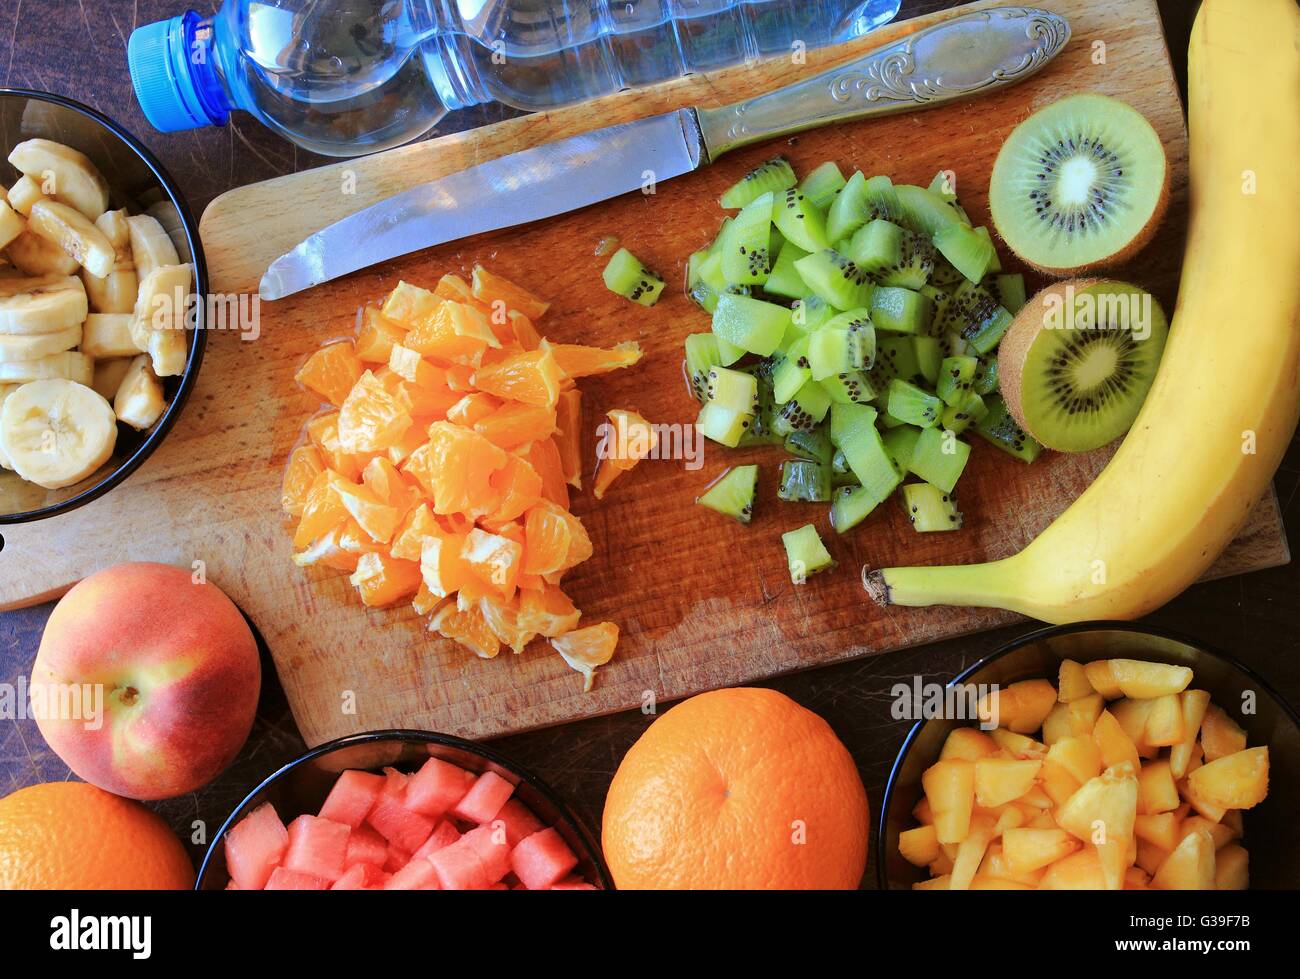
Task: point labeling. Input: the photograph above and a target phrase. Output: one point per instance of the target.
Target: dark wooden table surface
(78, 49)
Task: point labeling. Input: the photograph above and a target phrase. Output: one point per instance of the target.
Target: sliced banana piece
(72, 365)
(106, 335)
(74, 178)
(158, 323)
(57, 432)
(151, 247)
(37, 345)
(139, 399)
(114, 293)
(41, 304)
(115, 228)
(11, 224)
(23, 194)
(109, 375)
(5, 391)
(76, 234)
(40, 256)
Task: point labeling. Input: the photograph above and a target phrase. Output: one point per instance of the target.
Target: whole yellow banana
(1224, 404)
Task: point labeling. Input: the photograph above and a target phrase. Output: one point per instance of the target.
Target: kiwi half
(1079, 185)
(1079, 359)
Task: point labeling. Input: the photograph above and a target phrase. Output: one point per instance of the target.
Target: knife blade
(958, 58)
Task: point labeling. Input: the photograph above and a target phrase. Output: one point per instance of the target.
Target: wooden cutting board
(701, 601)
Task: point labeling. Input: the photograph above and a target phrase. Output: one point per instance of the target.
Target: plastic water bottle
(343, 77)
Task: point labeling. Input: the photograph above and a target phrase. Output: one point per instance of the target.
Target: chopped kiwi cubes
(900, 441)
(760, 429)
(851, 387)
(1010, 291)
(814, 445)
(895, 357)
(870, 462)
(701, 356)
(956, 376)
(970, 253)
(977, 316)
(912, 405)
(822, 184)
(900, 310)
(773, 176)
(723, 425)
(848, 210)
(800, 220)
(732, 493)
(881, 199)
(784, 280)
(891, 255)
(959, 417)
(805, 481)
(846, 417)
(1000, 429)
(986, 376)
(732, 389)
(835, 278)
(924, 211)
(930, 509)
(802, 412)
(833, 350)
(791, 372)
(805, 553)
(750, 324)
(939, 458)
(745, 244)
(627, 277)
(929, 355)
(850, 505)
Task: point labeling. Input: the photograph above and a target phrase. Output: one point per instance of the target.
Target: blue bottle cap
(165, 85)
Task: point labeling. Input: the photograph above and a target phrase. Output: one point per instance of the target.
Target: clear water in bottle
(343, 77)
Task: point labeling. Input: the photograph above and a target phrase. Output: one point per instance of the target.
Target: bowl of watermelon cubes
(402, 810)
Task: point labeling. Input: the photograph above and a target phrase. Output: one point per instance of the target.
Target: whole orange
(74, 836)
(737, 789)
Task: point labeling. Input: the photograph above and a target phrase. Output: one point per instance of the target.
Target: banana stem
(990, 585)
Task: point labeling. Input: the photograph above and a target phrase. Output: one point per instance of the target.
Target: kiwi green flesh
(1076, 381)
(1080, 183)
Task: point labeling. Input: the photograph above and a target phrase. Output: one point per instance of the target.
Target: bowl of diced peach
(1098, 756)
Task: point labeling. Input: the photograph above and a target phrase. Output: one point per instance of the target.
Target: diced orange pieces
(544, 456)
(491, 288)
(586, 649)
(494, 558)
(513, 424)
(568, 437)
(532, 377)
(548, 612)
(373, 418)
(331, 371)
(453, 332)
(518, 488)
(407, 304)
(377, 336)
(629, 438)
(442, 476)
(468, 628)
(383, 580)
(578, 361)
(304, 466)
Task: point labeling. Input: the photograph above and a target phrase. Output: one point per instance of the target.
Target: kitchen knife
(959, 58)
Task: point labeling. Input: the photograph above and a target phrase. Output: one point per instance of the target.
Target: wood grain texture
(702, 603)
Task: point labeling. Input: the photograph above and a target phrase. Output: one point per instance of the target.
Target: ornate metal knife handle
(958, 58)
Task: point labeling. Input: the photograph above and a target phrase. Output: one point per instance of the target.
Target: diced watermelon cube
(352, 796)
(518, 820)
(542, 859)
(573, 884)
(318, 847)
(360, 877)
(492, 849)
(417, 875)
(459, 868)
(254, 847)
(436, 787)
(291, 880)
(365, 845)
(396, 859)
(444, 834)
(395, 823)
(484, 799)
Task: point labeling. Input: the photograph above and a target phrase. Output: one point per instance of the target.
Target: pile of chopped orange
(440, 474)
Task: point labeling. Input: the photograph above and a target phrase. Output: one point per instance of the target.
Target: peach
(165, 678)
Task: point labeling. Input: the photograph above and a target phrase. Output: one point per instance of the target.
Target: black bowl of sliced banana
(100, 336)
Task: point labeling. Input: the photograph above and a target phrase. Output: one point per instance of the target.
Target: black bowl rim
(412, 736)
(1096, 625)
(188, 379)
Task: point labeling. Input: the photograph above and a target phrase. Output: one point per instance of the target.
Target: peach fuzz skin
(180, 674)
